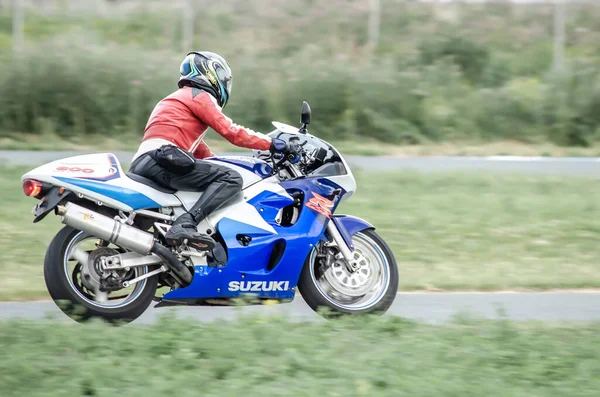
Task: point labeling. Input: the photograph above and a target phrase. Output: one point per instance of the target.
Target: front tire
(328, 291)
(75, 300)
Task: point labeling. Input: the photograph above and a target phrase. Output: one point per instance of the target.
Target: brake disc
(354, 284)
(92, 272)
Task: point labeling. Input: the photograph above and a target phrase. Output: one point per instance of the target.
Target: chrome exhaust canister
(106, 228)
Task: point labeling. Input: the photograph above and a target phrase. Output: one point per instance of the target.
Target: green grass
(485, 231)
(448, 231)
(264, 356)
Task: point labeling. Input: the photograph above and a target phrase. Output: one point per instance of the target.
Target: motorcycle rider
(173, 147)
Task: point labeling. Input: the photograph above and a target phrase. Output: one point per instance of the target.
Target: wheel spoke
(100, 297)
(80, 255)
(81, 264)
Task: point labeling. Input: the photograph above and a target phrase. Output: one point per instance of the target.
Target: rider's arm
(210, 113)
(203, 151)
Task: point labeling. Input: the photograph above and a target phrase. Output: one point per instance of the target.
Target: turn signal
(32, 188)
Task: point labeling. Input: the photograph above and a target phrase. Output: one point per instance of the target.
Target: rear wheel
(372, 288)
(73, 277)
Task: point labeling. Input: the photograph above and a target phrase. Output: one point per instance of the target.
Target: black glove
(278, 146)
(281, 149)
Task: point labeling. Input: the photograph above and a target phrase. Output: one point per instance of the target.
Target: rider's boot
(184, 228)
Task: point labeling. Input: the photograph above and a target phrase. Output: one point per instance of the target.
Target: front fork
(354, 259)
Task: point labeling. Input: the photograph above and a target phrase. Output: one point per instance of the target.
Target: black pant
(218, 183)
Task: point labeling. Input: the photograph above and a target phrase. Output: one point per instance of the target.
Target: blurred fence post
(187, 32)
(558, 62)
(374, 22)
(18, 21)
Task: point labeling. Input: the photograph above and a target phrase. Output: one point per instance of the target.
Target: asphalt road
(574, 166)
(433, 308)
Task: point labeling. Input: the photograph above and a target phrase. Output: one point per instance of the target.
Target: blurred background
(395, 72)
(431, 100)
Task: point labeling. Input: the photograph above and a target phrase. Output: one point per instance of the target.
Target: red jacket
(184, 116)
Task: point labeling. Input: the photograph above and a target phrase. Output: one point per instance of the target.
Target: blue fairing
(268, 204)
(257, 166)
(135, 200)
(248, 264)
(349, 225)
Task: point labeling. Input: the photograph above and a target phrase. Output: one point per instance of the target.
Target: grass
(485, 231)
(449, 231)
(367, 147)
(262, 356)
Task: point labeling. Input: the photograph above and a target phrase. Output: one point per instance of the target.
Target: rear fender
(349, 225)
(49, 202)
(55, 197)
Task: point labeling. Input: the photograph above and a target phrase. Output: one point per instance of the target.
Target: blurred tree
(18, 23)
(188, 25)
(559, 36)
(374, 23)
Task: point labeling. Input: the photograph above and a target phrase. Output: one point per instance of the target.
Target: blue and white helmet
(209, 72)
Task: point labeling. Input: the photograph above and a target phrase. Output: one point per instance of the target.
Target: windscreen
(321, 158)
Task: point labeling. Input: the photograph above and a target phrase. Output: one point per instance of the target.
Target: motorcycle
(110, 260)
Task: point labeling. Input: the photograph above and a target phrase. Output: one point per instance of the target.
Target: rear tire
(71, 302)
(317, 298)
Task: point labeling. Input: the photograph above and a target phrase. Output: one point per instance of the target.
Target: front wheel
(327, 283)
(74, 276)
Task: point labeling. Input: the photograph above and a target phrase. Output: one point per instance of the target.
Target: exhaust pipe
(182, 272)
(106, 228)
(120, 234)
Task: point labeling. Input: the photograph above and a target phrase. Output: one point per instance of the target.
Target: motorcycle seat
(152, 184)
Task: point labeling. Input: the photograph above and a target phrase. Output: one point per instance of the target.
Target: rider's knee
(234, 179)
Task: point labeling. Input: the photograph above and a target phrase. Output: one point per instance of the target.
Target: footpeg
(178, 236)
(205, 243)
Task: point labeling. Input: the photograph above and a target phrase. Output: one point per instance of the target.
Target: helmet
(209, 72)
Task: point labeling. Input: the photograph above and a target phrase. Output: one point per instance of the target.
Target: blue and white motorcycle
(279, 234)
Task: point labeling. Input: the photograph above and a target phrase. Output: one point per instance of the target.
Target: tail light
(32, 188)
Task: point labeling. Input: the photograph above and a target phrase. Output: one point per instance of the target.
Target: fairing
(261, 169)
(100, 177)
(248, 264)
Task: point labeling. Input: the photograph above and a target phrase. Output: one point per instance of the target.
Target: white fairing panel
(81, 174)
(239, 210)
(286, 128)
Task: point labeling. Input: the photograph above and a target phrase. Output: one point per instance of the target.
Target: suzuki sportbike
(280, 235)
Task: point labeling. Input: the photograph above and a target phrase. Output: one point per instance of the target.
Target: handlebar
(292, 160)
(292, 155)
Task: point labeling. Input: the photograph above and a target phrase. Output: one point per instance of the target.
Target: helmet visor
(229, 85)
(225, 78)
